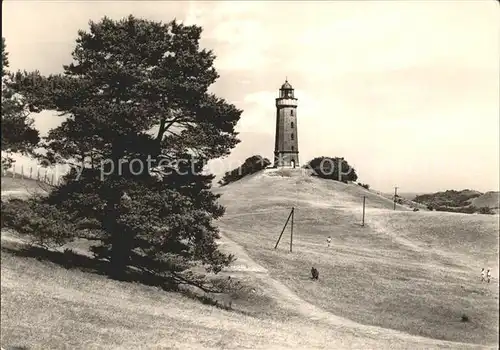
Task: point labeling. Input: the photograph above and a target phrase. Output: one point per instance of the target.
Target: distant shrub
(332, 168)
(469, 209)
(22, 347)
(465, 318)
(416, 209)
(250, 166)
(465, 210)
(450, 198)
(485, 210)
(43, 223)
(365, 186)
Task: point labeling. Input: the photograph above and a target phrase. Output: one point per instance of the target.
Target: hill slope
(489, 199)
(412, 271)
(94, 312)
(45, 306)
(460, 199)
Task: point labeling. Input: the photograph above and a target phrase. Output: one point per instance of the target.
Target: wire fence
(52, 177)
(44, 175)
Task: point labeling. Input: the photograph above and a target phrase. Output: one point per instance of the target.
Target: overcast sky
(407, 92)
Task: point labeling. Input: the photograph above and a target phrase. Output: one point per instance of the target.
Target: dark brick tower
(286, 148)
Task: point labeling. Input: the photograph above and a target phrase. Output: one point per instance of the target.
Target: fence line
(38, 173)
(282, 210)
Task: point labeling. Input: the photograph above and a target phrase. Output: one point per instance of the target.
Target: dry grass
(414, 272)
(22, 187)
(369, 275)
(45, 306)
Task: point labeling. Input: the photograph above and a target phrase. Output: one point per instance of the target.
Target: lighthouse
(286, 148)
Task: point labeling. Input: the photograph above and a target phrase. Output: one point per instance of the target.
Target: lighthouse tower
(286, 149)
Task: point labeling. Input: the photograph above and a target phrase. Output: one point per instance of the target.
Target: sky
(406, 91)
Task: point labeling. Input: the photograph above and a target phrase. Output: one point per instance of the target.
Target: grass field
(384, 274)
(21, 187)
(417, 272)
(45, 306)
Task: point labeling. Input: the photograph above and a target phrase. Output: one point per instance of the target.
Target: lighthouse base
(288, 160)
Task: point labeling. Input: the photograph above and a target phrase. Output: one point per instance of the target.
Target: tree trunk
(120, 240)
(120, 254)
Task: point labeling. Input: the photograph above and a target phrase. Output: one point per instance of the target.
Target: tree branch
(162, 130)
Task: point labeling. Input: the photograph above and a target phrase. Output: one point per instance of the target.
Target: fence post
(31, 172)
(14, 171)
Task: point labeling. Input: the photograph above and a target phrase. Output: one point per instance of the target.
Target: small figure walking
(482, 275)
(329, 240)
(314, 273)
(488, 275)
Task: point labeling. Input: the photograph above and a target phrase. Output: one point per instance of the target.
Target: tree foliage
(332, 168)
(251, 165)
(449, 198)
(365, 186)
(137, 93)
(453, 201)
(18, 133)
(44, 222)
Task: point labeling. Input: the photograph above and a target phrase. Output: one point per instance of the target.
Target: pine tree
(18, 133)
(137, 92)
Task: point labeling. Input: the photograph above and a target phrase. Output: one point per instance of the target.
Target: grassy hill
(463, 200)
(21, 186)
(45, 306)
(450, 198)
(489, 199)
(413, 272)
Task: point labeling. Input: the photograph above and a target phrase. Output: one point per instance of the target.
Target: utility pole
(291, 232)
(286, 223)
(364, 200)
(395, 196)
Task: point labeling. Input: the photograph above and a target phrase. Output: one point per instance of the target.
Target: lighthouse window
(291, 125)
(291, 113)
(292, 148)
(291, 136)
